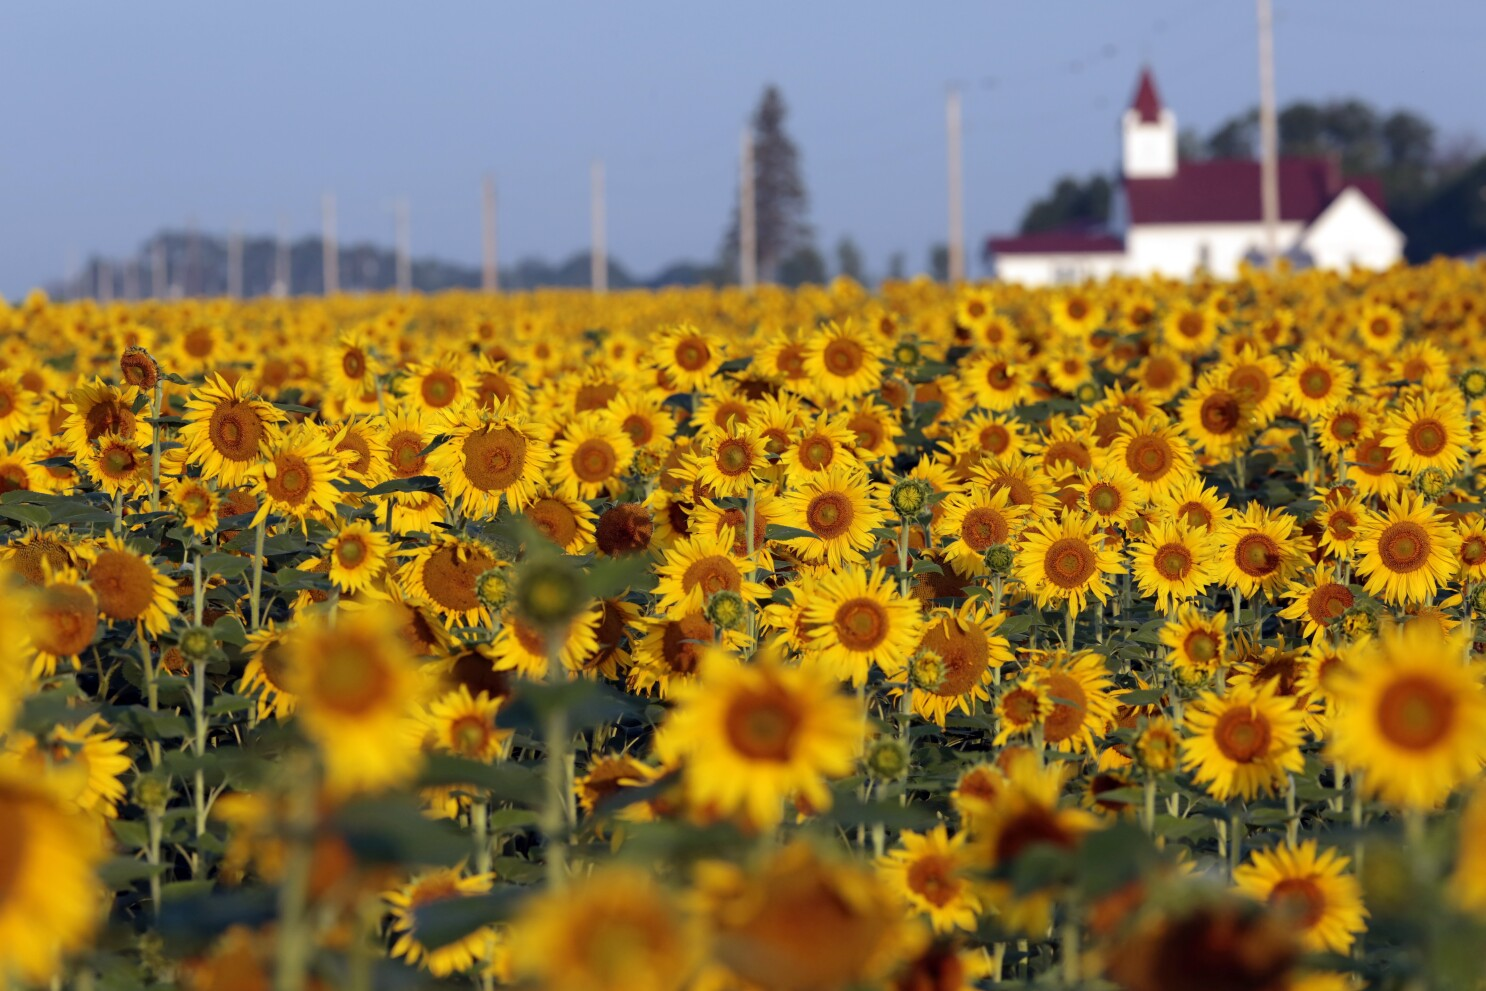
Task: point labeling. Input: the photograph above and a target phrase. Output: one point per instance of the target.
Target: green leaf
(848, 810)
(29, 515)
(612, 576)
(416, 483)
(155, 725)
(224, 705)
(442, 922)
(505, 781)
(1140, 696)
(130, 832)
(394, 830)
(778, 531)
(177, 891)
(227, 566)
(588, 704)
(295, 408)
(121, 872)
(230, 629)
(1109, 859)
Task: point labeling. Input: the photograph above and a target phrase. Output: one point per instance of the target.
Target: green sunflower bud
(493, 589)
(999, 558)
(910, 497)
(726, 610)
(886, 759)
(1473, 383)
(197, 643)
(548, 591)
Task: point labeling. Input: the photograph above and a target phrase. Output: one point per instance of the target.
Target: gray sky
(123, 117)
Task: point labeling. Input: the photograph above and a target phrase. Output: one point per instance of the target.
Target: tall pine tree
(779, 197)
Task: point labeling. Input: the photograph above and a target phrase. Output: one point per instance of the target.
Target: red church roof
(1147, 102)
(1228, 191)
(1068, 242)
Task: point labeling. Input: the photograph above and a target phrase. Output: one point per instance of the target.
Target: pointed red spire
(1147, 103)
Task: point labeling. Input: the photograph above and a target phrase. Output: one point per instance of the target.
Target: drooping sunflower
(443, 576)
(1410, 716)
(431, 888)
(756, 734)
(929, 871)
(226, 428)
(592, 457)
(859, 620)
(266, 674)
(841, 509)
(491, 455)
(977, 520)
(1173, 562)
(1065, 562)
(1260, 550)
(687, 357)
(1243, 742)
(617, 929)
(358, 554)
(842, 361)
(1154, 453)
(968, 654)
(1083, 708)
(1430, 431)
(128, 587)
(51, 901)
(1317, 601)
(1407, 551)
(357, 690)
(695, 569)
(568, 523)
(1310, 889)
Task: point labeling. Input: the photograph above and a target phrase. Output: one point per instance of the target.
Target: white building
(1174, 218)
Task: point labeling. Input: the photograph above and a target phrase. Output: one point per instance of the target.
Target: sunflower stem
(256, 596)
(556, 814)
(1148, 818)
(119, 511)
(1072, 955)
(1235, 841)
(155, 446)
(1292, 818)
(750, 511)
(198, 741)
(296, 935)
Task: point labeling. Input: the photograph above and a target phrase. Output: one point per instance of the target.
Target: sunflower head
(548, 591)
(999, 559)
(1473, 383)
(726, 610)
(886, 759)
(910, 497)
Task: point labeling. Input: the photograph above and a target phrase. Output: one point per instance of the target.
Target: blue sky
(121, 118)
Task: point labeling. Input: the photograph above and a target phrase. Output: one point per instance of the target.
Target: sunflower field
(922, 639)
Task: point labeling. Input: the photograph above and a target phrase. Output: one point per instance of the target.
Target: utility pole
(1269, 166)
(956, 187)
(489, 273)
(747, 216)
(235, 264)
(330, 254)
(105, 274)
(404, 248)
(598, 256)
(281, 276)
(193, 282)
(131, 278)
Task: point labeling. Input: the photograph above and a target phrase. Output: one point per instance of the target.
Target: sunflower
(197, 504)
(225, 429)
(1162, 375)
(51, 900)
(1022, 707)
(1153, 453)
(1428, 432)
(859, 620)
(1109, 497)
(1173, 562)
(841, 509)
(592, 457)
(1083, 709)
(18, 406)
(1408, 551)
(523, 648)
(465, 724)
(1190, 328)
(435, 386)
(96, 408)
(616, 929)
(1317, 602)
(875, 428)
(490, 455)
(1260, 551)
(999, 380)
(1218, 418)
(435, 887)
(1470, 551)
(443, 574)
(117, 465)
(1410, 716)
(568, 523)
(842, 362)
(82, 764)
(1243, 742)
(687, 357)
(351, 366)
(1369, 471)
(128, 587)
(928, 870)
(669, 651)
(1309, 888)
(296, 477)
(695, 569)
(968, 653)
(266, 674)
(1255, 378)
(643, 416)
(1340, 519)
(358, 554)
(357, 688)
(361, 447)
(1380, 328)
(756, 734)
(978, 519)
(1344, 426)
(63, 621)
(996, 435)
(710, 517)
(1317, 382)
(731, 467)
(1064, 562)
(58, 479)
(817, 447)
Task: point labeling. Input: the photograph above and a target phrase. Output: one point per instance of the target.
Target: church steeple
(1149, 134)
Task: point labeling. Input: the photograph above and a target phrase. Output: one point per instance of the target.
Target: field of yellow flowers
(1121, 635)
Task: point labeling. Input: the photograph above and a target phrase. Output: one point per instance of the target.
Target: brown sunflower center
(1069, 562)
(1160, 373)
(1201, 646)
(1346, 426)
(124, 584)
(198, 342)
(1250, 381)
(791, 361)
(1190, 324)
(983, 528)
(734, 457)
(1415, 713)
(1105, 499)
(1173, 562)
(449, 576)
(235, 430)
(965, 653)
(712, 574)
(1380, 327)
(1196, 514)
(681, 643)
(357, 445)
(1315, 382)
(934, 879)
(292, 479)
(554, 520)
(494, 458)
(816, 452)
(1149, 457)
(470, 735)
(405, 453)
(1220, 413)
(1404, 547)
(738, 520)
(843, 357)
(763, 724)
(439, 388)
(118, 462)
(1257, 555)
(692, 354)
(1032, 826)
(1299, 900)
(1427, 437)
(1473, 551)
(353, 363)
(1070, 702)
(861, 624)
(994, 439)
(868, 430)
(594, 461)
(68, 618)
(351, 551)
(1242, 735)
(1329, 601)
(829, 515)
(639, 428)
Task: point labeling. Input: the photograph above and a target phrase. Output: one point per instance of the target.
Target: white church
(1174, 218)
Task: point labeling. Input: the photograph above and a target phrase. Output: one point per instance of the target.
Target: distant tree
(803, 266)
(779, 197)
(1235, 138)
(1070, 204)
(939, 262)
(849, 260)
(897, 265)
